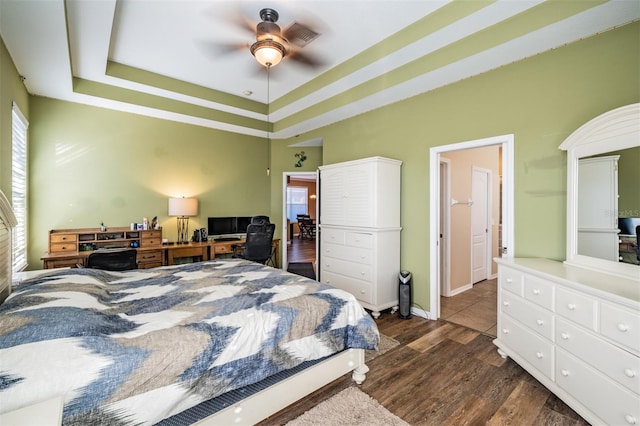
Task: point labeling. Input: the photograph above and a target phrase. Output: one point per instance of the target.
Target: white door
(480, 226)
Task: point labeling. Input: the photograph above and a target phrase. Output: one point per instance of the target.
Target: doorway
(439, 266)
(298, 249)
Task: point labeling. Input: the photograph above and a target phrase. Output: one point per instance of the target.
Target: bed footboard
(261, 405)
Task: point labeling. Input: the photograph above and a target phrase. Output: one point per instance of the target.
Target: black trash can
(404, 294)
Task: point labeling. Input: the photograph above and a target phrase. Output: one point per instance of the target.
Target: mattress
(137, 347)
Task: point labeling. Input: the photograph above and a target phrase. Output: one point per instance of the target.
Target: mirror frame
(612, 131)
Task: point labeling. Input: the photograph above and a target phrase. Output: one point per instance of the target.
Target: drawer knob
(631, 419)
(509, 280)
(362, 273)
(505, 303)
(539, 355)
(362, 292)
(505, 331)
(539, 322)
(629, 372)
(571, 306)
(536, 291)
(565, 336)
(623, 327)
(565, 372)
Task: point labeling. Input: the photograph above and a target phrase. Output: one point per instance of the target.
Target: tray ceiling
(164, 58)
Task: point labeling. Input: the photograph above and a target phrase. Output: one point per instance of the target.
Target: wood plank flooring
(446, 374)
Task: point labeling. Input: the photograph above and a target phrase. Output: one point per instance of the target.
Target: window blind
(19, 126)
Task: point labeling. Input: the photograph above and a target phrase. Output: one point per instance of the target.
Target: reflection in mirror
(603, 193)
(609, 205)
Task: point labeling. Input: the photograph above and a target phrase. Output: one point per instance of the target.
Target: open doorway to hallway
(471, 223)
(300, 196)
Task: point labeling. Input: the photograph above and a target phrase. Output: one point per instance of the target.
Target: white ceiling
(54, 41)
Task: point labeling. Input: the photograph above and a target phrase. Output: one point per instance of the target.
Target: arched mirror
(603, 193)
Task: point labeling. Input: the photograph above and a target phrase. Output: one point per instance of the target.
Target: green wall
(91, 164)
(541, 100)
(629, 182)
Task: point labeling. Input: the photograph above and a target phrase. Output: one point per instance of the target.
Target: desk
(159, 255)
(175, 251)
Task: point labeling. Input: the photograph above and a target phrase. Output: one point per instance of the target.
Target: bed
(145, 346)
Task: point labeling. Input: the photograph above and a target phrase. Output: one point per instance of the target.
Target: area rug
(349, 407)
(386, 344)
(302, 268)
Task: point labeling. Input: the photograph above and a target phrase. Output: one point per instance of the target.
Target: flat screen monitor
(242, 223)
(627, 225)
(222, 225)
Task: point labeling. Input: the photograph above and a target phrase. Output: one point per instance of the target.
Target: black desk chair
(258, 245)
(113, 259)
(260, 219)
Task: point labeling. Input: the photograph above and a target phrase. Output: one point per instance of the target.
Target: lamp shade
(183, 206)
(268, 52)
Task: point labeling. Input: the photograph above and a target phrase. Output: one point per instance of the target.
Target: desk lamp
(183, 208)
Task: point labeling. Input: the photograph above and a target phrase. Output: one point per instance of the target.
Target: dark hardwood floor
(301, 250)
(446, 374)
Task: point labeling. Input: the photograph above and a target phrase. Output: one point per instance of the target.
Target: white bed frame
(263, 404)
(269, 401)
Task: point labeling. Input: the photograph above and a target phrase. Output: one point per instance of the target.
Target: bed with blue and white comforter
(138, 346)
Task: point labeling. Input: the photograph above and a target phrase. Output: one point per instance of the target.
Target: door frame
(508, 245)
(489, 234)
(444, 225)
(288, 176)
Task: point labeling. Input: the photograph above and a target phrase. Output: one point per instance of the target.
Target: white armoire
(359, 228)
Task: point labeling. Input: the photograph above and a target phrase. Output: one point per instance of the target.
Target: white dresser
(575, 330)
(360, 230)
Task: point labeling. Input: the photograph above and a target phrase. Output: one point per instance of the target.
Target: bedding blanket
(138, 346)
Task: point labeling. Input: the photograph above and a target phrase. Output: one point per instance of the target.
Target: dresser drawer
(603, 397)
(579, 308)
(533, 317)
(150, 256)
(511, 279)
(222, 249)
(359, 239)
(350, 269)
(534, 349)
(614, 362)
(361, 290)
(154, 234)
(331, 235)
(63, 247)
(352, 254)
(621, 326)
(64, 238)
(150, 242)
(538, 291)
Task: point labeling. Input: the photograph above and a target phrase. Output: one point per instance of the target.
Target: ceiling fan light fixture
(268, 52)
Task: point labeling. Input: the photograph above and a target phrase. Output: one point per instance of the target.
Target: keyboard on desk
(223, 239)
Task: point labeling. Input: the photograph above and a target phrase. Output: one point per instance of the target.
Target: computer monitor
(222, 225)
(241, 224)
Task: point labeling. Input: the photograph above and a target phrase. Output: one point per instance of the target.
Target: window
(19, 126)
(296, 202)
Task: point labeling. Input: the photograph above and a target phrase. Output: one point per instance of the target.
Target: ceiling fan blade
(305, 59)
(214, 50)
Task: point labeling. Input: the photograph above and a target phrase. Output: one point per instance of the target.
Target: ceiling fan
(272, 44)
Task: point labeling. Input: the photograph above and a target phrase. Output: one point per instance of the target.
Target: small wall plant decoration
(301, 157)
